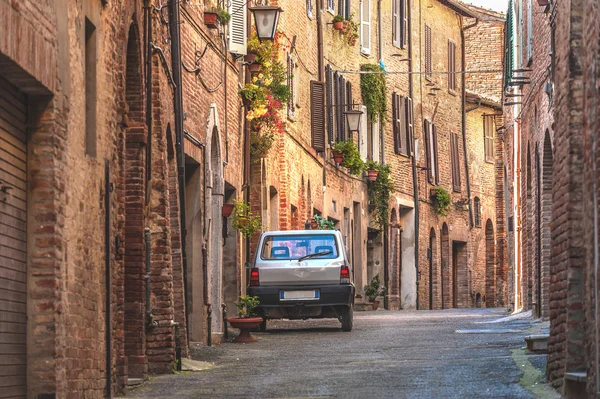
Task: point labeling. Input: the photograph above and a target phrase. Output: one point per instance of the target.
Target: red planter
(338, 25)
(250, 58)
(227, 209)
(372, 174)
(254, 68)
(313, 224)
(337, 157)
(210, 19)
(245, 325)
(375, 304)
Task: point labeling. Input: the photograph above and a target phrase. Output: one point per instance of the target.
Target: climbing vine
(372, 86)
(442, 201)
(380, 192)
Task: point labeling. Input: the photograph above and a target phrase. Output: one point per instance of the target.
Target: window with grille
(451, 65)
(488, 137)
(428, 62)
(455, 161)
(431, 151)
(477, 211)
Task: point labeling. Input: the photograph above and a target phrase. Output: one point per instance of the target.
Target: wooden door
(13, 242)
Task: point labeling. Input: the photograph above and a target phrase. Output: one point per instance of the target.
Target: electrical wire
(490, 71)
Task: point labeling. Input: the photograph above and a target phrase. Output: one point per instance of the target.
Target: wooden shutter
(401, 104)
(376, 141)
(451, 65)
(428, 149)
(488, 132)
(403, 24)
(363, 146)
(329, 104)
(237, 27)
(334, 107)
(365, 26)
(317, 114)
(396, 22)
(409, 125)
(395, 125)
(13, 236)
(435, 153)
(341, 108)
(428, 61)
(455, 160)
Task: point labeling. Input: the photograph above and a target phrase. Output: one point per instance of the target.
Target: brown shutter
(435, 153)
(455, 163)
(403, 24)
(317, 114)
(329, 104)
(427, 135)
(341, 108)
(395, 126)
(409, 125)
(395, 23)
(402, 124)
(428, 52)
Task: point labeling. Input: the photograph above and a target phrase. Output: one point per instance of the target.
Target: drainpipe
(150, 322)
(205, 290)
(174, 23)
(413, 160)
(464, 114)
(149, 53)
(107, 278)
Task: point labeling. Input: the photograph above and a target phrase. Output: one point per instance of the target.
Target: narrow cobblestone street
(388, 355)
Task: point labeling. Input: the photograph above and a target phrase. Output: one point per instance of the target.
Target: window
(331, 6)
(365, 27)
(451, 65)
(399, 23)
(344, 8)
(317, 115)
(309, 8)
(529, 32)
(477, 211)
(363, 136)
(90, 88)
(237, 27)
(428, 70)
(409, 124)
(341, 100)
(329, 104)
(431, 151)
(399, 124)
(488, 137)
(295, 246)
(455, 160)
(291, 106)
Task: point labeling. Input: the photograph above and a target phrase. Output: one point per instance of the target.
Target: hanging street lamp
(265, 19)
(353, 119)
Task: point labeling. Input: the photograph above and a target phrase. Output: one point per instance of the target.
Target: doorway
(459, 273)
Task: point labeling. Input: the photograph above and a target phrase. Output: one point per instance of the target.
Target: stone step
(134, 382)
(537, 343)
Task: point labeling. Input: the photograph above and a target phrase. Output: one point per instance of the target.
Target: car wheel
(263, 325)
(347, 316)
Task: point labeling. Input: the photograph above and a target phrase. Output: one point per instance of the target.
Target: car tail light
(345, 275)
(254, 280)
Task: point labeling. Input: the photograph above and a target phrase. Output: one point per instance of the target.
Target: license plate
(299, 295)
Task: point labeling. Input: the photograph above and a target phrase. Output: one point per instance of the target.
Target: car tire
(263, 325)
(347, 316)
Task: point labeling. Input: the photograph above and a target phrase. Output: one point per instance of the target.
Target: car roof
(300, 232)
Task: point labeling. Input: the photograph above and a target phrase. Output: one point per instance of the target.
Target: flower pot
(338, 25)
(543, 2)
(227, 209)
(338, 157)
(352, 41)
(245, 325)
(254, 68)
(210, 19)
(250, 58)
(375, 304)
(314, 224)
(432, 192)
(372, 174)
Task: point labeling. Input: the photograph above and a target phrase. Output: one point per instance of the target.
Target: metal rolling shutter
(13, 242)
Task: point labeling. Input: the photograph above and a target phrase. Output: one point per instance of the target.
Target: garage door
(13, 242)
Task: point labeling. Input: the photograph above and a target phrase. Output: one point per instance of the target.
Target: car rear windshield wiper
(315, 255)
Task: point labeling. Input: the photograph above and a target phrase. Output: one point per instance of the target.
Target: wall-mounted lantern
(265, 19)
(353, 119)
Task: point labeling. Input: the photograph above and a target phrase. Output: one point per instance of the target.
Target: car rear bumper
(329, 295)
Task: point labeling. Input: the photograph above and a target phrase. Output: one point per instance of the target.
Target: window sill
(490, 161)
(453, 92)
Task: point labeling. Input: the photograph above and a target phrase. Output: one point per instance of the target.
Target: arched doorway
(546, 220)
(433, 272)
(135, 194)
(490, 265)
(447, 298)
(395, 250)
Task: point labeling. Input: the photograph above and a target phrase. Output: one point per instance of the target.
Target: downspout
(149, 53)
(247, 163)
(464, 114)
(174, 23)
(107, 278)
(413, 160)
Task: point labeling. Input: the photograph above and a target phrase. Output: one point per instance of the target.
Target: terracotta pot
(210, 19)
(250, 57)
(338, 25)
(227, 209)
(314, 224)
(338, 157)
(245, 325)
(254, 67)
(375, 304)
(372, 174)
(352, 41)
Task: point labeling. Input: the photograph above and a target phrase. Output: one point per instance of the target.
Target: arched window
(477, 211)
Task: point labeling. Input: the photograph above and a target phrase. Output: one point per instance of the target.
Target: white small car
(303, 274)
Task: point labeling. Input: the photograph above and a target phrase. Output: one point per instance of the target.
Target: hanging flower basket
(338, 25)
(372, 174)
(227, 209)
(210, 19)
(338, 157)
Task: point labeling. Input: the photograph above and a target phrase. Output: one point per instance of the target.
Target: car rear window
(289, 247)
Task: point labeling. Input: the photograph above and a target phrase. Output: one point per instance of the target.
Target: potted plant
(254, 67)
(245, 322)
(322, 223)
(313, 223)
(227, 209)
(372, 169)
(244, 220)
(338, 157)
(211, 18)
(441, 200)
(338, 23)
(373, 290)
(350, 156)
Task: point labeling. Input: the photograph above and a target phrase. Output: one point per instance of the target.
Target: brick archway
(433, 271)
(490, 265)
(135, 195)
(445, 268)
